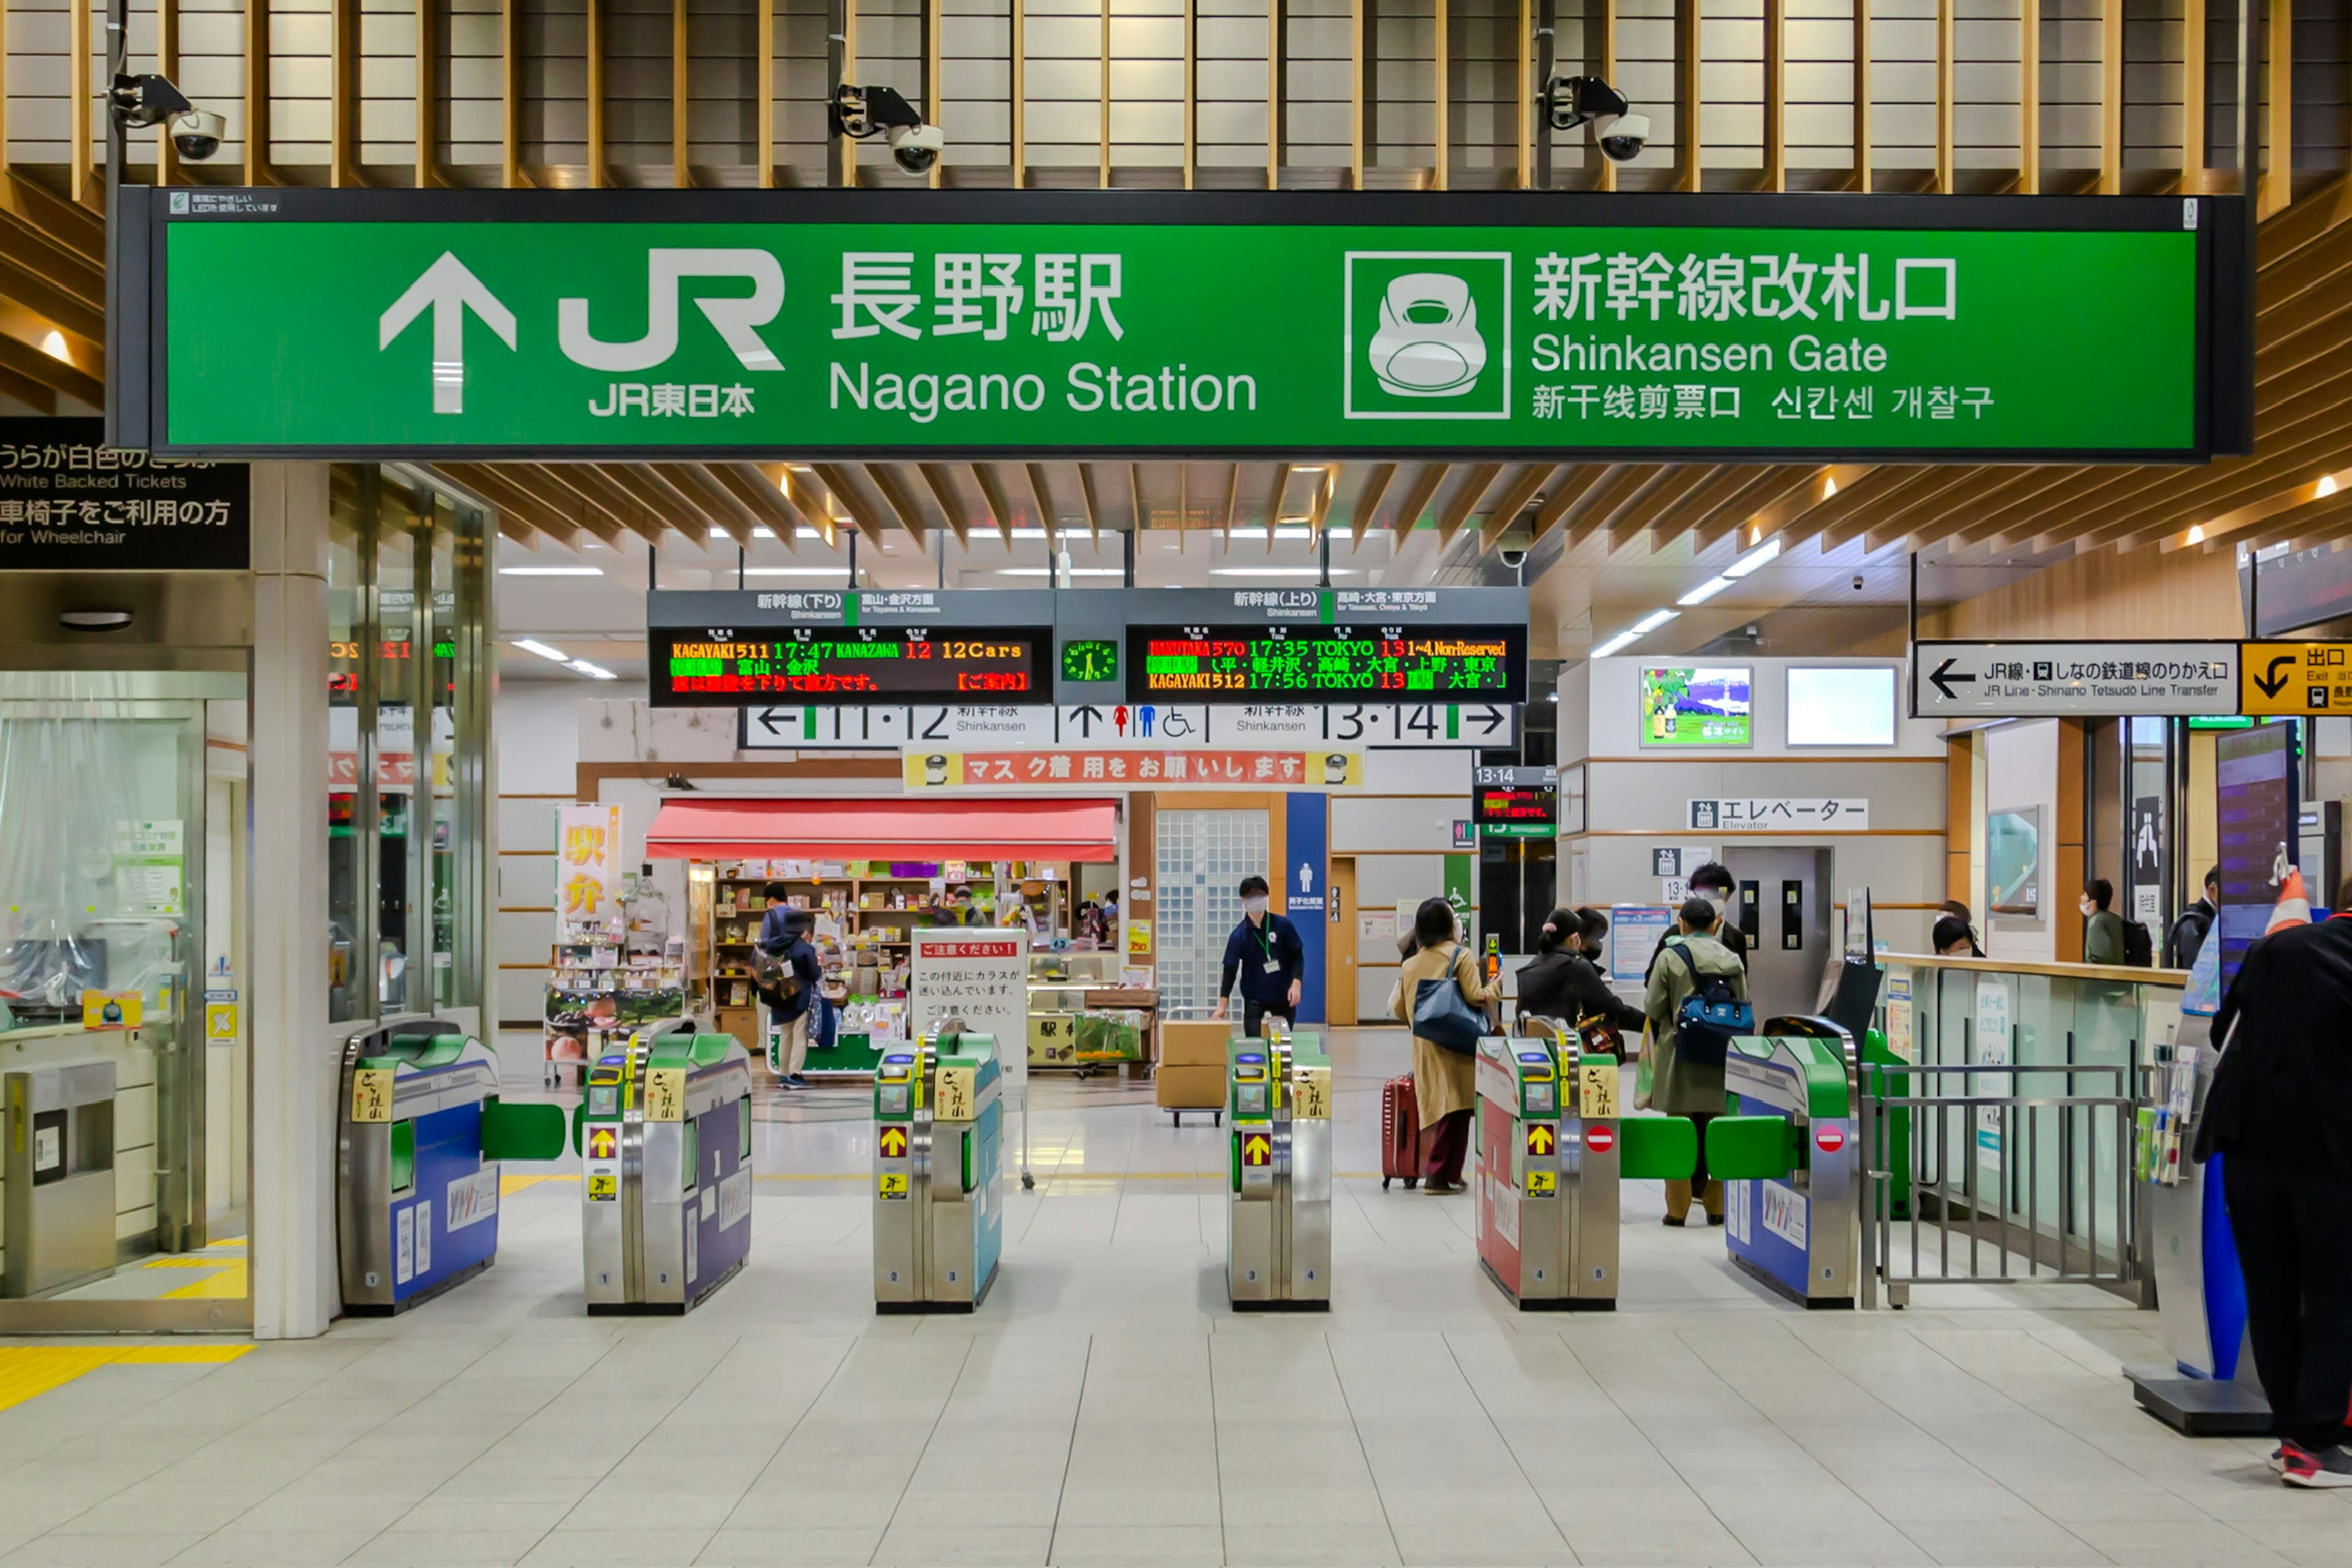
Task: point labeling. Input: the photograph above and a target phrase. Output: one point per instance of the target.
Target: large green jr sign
(917, 325)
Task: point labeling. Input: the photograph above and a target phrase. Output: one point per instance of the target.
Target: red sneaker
(2329, 1467)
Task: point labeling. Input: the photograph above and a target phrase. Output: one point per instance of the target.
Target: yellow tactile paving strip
(27, 1371)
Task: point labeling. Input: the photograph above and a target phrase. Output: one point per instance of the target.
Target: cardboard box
(1189, 1087)
(1195, 1043)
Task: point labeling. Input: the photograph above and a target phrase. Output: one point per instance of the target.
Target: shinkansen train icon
(1427, 343)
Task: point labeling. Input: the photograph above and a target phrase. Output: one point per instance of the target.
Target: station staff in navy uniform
(1266, 955)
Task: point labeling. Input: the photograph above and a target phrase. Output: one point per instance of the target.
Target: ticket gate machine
(1279, 1220)
(938, 1175)
(1790, 1161)
(1552, 1148)
(420, 1132)
(665, 1139)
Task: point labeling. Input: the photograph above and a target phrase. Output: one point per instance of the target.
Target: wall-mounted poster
(2014, 862)
(1686, 705)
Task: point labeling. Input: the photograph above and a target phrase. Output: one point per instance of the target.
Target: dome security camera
(918, 147)
(196, 134)
(1622, 138)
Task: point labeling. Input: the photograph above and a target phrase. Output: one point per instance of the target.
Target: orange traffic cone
(2293, 906)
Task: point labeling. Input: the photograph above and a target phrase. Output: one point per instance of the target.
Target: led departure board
(1326, 663)
(1515, 802)
(829, 665)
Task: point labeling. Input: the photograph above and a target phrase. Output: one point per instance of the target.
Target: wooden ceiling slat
(838, 484)
(1874, 514)
(1233, 495)
(1042, 493)
(1273, 494)
(21, 358)
(1614, 488)
(1638, 515)
(1320, 510)
(941, 479)
(900, 497)
(1723, 481)
(1512, 501)
(1569, 487)
(1786, 491)
(2149, 507)
(560, 515)
(661, 502)
(1368, 500)
(1466, 499)
(1415, 500)
(1090, 503)
(991, 490)
(575, 485)
(2278, 472)
(699, 481)
(764, 494)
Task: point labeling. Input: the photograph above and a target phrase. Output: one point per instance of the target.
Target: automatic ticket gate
(1790, 1161)
(421, 1131)
(1278, 1221)
(1552, 1148)
(665, 1139)
(938, 1175)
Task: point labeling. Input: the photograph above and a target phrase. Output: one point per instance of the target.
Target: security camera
(1622, 137)
(1574, 101)
(1514, 559)
(197, 134)
(139, 101)
(918, 147)
(1857, 582)
(864, 112)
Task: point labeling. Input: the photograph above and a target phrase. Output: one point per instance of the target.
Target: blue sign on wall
(1306, 873)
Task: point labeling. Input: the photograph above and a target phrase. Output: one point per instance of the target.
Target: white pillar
(295, 1288)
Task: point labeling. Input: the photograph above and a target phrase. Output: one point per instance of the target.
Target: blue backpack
(1710, 1016)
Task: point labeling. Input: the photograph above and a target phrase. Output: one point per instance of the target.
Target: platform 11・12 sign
(552, 323)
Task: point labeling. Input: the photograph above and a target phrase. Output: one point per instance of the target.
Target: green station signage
(871, 323)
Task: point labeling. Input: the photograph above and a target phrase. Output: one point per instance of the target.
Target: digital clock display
(1318, 663)
(843, 666)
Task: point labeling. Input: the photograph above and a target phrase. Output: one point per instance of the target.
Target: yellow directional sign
(1540, 1138)
(894, 1143)
(1256, 1149)
(2281, 678)
(604, 1143)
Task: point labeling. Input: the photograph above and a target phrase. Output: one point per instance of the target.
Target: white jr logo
(735, 316)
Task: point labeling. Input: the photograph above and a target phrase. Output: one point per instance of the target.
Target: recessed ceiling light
(540, 648)
(596, 670)
(1704, 591)
(795, 571)
(1754, 558)
(1279, 570)
(1613, 644)
(54, 346)
(1653, 620)
(551, 571)
(1066, 572)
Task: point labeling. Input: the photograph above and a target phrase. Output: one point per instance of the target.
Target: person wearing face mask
(1265, 956)
(1712, 882)
(2103, 936)
(1562, 981)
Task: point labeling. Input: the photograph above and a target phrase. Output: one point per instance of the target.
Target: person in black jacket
(1563, 983)
(2186, 937)
(2280, 1110)
(784, 934)
(1265, 958)
(1712, 882)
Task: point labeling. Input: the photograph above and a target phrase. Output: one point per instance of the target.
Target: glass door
(123, 1059)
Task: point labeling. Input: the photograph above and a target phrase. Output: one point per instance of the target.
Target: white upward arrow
(448, 289)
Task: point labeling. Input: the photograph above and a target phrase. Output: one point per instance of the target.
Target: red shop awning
(925, 830)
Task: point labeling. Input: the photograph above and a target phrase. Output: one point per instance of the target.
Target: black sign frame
(1514, 664)
(70, 503)
(661, 643)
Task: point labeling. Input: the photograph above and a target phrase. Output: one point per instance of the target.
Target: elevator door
(1784, 910)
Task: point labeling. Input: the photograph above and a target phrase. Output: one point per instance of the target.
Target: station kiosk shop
(873, 871)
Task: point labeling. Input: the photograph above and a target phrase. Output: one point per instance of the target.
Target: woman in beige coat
(1444, 1082)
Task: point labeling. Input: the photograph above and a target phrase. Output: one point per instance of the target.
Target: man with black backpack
(2186, 937)
(786, 975)
(1697, 1001)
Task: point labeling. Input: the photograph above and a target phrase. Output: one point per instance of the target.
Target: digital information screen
(1316, 663)
(1514, 803)
(719, 668)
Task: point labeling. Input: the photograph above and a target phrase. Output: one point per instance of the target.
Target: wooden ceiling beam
(598, 501)
(1568, 488)
(1368, 500)
(1000, 507)
(941, 480)
(700, 481)
(1512, 501)
(838, 484)
(764, 494)
(2220, 512)
(1785, 492)
(900, 497)
(1466, 499)
(1416, 497)
(1869, 515)
(2278, 455)
(508, 488)
(674, 511)
(1724, 480)
(1042, 493)
(1089, 503)
(1273, 494)
(1595, 505)
(1641, 512)
(58, 376)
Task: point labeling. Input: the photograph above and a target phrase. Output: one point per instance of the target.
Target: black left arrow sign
(1942, 678)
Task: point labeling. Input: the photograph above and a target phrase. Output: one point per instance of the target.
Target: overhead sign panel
(2282, 678)
(816, 667)
(1322, 664)
(784, 727)
(518, 323)
(1515, 802)
(2021, 678)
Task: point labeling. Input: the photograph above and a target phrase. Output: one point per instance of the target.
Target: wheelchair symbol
(1173, 725)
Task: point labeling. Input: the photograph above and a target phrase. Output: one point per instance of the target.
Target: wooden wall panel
(2106, 593)
(2068, 863)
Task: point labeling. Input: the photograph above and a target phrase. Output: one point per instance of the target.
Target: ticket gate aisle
(1278, 1219)
(938, 1175)
(1552, 1148)
(421, 1131)
(1789, 1160)
(665, 1139)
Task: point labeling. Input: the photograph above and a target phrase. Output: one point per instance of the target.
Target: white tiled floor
(1104, 1406)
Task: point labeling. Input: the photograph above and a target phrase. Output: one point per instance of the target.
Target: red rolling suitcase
(1400, 1133)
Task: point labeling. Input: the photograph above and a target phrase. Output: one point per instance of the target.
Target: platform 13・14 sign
(512, 323)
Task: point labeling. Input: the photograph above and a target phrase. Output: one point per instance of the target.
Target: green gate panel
(1656, 1148)
(521, 1132)
(1751, 1148)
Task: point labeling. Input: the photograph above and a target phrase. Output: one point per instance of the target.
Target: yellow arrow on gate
(894, 1143)
(1540, 1138)
(1256, 1149)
